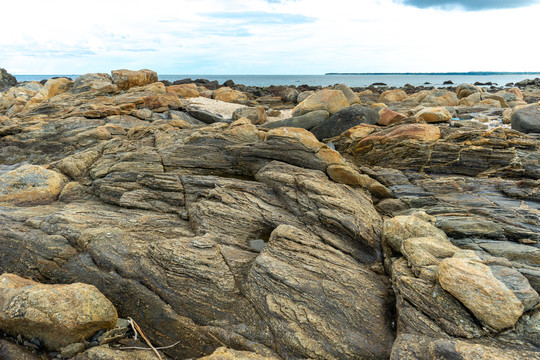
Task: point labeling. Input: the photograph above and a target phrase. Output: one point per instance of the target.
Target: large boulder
(527, 119)
(326, 99)
(344, 120)
(306, 121)
(257, 114)
(6, 79)
(434, 114)
(229, 95)
(465, 90)
(57, 315)
(31, 184)
(184, 90)
(51, 88)
(126, 79)
(94, 82)
(392, 96)
(389, 117)
(496, 294)
(351, 96)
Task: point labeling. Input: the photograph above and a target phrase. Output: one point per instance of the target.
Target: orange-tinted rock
(229, 95)
(184, 90)
(434, 114)
(420, 132)
(126, 79)
(388, 117)
(326, 99)
(31, 184)
(391, 96)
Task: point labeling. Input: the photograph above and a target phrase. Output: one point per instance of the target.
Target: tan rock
(434, 114)
(425, 253)
(388, 117)
(229, 95)
(58, 315)
(392, 96)
(440, 98)
(257, 114)
(224, 353)
(507, 116)
(301, 135)
(490, 103)
(419, 132)
(352, 98)
(106, 353)
(329, 156)
(184, 90)
(346, 175)
(471, 100)
(474, 284)
(401, 228)
(377, 106)
(516, 91)
(326, 99)
(465, 90)
(126, 79)
(31, 184)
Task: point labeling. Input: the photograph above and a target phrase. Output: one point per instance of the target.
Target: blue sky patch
(471, 5)
(261, 17)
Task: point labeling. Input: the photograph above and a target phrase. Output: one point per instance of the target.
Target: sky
(269, 36)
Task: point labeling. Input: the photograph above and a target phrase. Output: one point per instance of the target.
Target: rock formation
(414, 240)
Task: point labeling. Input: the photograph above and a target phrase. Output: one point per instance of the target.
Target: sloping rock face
(267, 243)
(6, 79)
(223, 234)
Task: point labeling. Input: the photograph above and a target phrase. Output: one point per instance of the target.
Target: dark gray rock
(306, 121)
(344, 120)
(6, 79)
(527, 119)
(205, 116)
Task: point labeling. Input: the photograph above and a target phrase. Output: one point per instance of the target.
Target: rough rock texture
(326, 99)
(344, 120)
(30, 185)
(527, 119)
(6, 79)
(126, 79)
(306, 121)
(256, 115)
(269, 242)
(57, 315)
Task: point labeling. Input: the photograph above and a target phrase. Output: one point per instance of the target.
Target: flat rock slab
(57, 315)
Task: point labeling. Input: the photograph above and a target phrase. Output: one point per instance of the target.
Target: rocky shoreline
(234, 222)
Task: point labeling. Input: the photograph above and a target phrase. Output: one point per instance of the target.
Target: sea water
(363, 80)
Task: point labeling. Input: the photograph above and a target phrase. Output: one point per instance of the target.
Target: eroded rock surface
(270, 242)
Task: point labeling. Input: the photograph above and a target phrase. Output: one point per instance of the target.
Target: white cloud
(261, 37)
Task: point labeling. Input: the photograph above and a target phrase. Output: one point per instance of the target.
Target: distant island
(445, 73)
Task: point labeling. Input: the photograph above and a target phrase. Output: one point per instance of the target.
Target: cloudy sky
(269, 36)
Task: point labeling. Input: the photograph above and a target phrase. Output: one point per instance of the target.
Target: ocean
(362, 80)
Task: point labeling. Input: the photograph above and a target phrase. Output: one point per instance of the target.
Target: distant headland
(442, 73)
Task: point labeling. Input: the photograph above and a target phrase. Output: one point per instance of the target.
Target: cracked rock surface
(410, 241)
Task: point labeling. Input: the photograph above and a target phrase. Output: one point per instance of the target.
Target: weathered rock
(389, 117)
(527, 119)
(184, 90)
(126, 79)
(31, 185)
(94, 82)
(57, 315)
(6, 79)
(437, 98)
(352, 98)
(434, 114)
(229, 95)
(480, 290)
(306, 121)
(51, 88)
(304, 95)
(104, 352)
(326, 99)
(465, 90)
(401, 228)
(257, 115)
(11, 351)
(344, 120)
(224, 353)
(392, 96)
